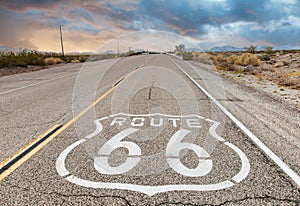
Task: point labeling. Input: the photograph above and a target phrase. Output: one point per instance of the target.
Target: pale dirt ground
(292, 96)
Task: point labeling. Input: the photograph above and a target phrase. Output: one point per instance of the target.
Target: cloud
(86, 22)
(82, 14)
(17, 5)
(16, 33)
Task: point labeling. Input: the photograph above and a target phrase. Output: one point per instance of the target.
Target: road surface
(144, 130)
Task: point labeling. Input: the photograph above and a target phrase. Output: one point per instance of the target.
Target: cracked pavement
(29, 112)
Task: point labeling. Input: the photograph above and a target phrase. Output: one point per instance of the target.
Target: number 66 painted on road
(174, 149)
(174, 146)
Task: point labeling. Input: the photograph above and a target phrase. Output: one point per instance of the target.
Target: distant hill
(261, 48)
(194, 50)
(227, 48)
(6, 49)
(287, 47)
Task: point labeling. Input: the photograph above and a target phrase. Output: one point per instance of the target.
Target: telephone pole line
(61, 41)
(118, 49)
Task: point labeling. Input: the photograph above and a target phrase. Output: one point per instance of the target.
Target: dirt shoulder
(17, 70)
(292, 96)
(277, 74)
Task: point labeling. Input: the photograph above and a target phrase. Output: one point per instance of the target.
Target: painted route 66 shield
(153, 153)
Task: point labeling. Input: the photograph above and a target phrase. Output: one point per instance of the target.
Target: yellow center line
(55, 134)
(13, 156)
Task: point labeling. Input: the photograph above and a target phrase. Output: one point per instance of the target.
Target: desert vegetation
(12, 63)
(280, 67)
(25, 59)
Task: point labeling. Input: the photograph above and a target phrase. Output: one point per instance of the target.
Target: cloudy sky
(88, 24)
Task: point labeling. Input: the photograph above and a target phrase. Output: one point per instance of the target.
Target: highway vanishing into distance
(144, 130)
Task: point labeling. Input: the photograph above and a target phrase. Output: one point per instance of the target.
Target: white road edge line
(293, 175)
(31, 85)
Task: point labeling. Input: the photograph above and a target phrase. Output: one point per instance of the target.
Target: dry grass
(289, 82)
(75, 61)
(53, 60)
(202, 58)
(247, 59)
(280, 68)
(294, 74)
(187, 56)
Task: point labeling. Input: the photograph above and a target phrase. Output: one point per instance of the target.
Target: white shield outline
(152, 190)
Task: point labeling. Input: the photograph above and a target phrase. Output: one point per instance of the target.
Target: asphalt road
(139, 131)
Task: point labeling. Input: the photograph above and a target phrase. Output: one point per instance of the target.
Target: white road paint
(60, 162)
(245, 163)
(140, 122)
(149, 190)
(101, 162)
(175, 142)
(42, 82)
(38, 83)
(292, 174)
(175, 145)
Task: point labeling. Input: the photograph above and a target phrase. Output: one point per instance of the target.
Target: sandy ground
(292, 96)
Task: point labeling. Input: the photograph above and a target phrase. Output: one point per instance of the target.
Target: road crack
(150, 89)
(237, 201)
(71, 195)
(260, 198)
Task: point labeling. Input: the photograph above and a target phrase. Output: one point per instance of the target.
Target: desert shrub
(4, 62)
(269, 50)
(220, 58)
(196, 54)
(285, 63)
(221, 62)
(75, 61)
(265, 57)
(187, 56)
(289, 82)
(232, 59)
(247, 59)
(217, 59)
(225, 66)
(21, 59)
(251, 49)
(53, 60)
(83, 58)
(203, 58)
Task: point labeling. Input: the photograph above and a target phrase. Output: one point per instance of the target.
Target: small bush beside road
(53, 60)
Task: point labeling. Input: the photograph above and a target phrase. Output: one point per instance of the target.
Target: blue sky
(88, 24)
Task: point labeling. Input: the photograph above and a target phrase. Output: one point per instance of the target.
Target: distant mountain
(79, 53)
(6, 49)
(226, 49)
(194, 50)
(229, 48)
(287, 47)
(261, 48)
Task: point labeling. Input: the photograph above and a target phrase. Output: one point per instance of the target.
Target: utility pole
(61, 41)
(118, 48)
